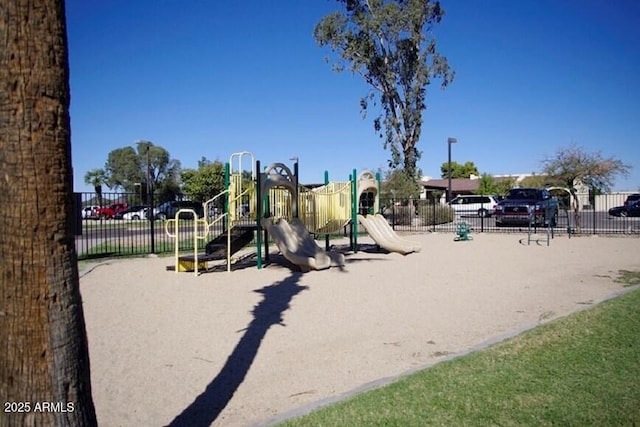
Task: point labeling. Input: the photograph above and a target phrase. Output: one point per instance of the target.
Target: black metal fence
(105, 232)
(424, 215)
(104, 236)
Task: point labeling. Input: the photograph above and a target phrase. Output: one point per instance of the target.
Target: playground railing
(214, 205)
(173, 229)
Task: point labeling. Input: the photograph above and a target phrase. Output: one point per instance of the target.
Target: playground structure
(299, 247)
(463, 232)
(272, 203)
(382, 233)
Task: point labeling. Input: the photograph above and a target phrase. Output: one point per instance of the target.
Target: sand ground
(252, 347)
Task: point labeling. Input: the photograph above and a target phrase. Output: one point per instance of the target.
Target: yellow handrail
(231, 218)
(208, 203)
(176, 236)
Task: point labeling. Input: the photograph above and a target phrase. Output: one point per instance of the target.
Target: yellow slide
(382, 233)
(297, 245)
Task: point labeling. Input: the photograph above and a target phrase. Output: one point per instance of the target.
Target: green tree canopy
(397, 185)
(490, 185)
(126, 167)
(96, 177)
(205, 182)
(391, 45)
(537, 181)
(458, 170)
(123, 168)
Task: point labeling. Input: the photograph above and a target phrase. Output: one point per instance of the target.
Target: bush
(435, 214)
(400, 215)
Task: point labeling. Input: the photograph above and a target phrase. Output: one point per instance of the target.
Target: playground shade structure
(384, 236)
(297, 245)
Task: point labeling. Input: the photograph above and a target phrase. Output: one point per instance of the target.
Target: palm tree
(96, 177)
(43, 343)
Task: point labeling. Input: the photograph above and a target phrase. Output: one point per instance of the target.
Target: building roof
(458, 185)
(464, 185)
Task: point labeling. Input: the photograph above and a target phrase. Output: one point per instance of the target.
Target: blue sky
(209, 78)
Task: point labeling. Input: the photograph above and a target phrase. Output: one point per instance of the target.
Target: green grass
(578, 371)
(128, 249)
(628, 278)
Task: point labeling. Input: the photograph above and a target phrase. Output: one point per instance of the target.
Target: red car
(108, 212)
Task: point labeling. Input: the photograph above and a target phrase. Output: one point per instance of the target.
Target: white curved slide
(297, 245)
(382, 233)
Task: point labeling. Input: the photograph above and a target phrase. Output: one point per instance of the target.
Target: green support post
(326, 236)
(376, 202)
(354, 210)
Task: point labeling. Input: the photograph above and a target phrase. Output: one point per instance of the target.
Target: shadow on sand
(211, 402)
(277, 297)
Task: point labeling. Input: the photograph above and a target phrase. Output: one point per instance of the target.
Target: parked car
(632, 209)
(521, 204)
(632, 198)
(108, 212)
(130, 212)
(90, 211)
(168, 210)
(474, 204)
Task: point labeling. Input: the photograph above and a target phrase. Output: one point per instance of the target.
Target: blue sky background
(209, 78)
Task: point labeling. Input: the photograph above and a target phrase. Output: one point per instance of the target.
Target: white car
(474, 204)
(89, 211)
(135, 215)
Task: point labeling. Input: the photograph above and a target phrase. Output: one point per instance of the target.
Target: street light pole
(138, 187)
(449, 142)
(148, 146)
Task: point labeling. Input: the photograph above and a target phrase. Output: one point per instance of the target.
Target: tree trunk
(576, 210)
(44, 368)
(98, 189)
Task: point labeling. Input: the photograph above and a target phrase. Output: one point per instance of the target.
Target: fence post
(153, 219)
(433, 217)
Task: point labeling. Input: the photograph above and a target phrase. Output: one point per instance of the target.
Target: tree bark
(44, 368)
(576, 211)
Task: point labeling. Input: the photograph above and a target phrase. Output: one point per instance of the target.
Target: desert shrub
(400, 215)
(435, 214)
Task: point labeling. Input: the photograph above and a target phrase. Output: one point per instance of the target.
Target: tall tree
(397, 185)
(458, 170)
(536, 181)
(96, 177)
(127, 166)
(43, 343)
(205, 182)
(573, 165)
(124, 167)
(489, 185)
(391, 45)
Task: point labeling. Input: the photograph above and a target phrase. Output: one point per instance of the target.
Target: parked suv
(474, 204)
(632, 198)
(523, 204)
(168, 210)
